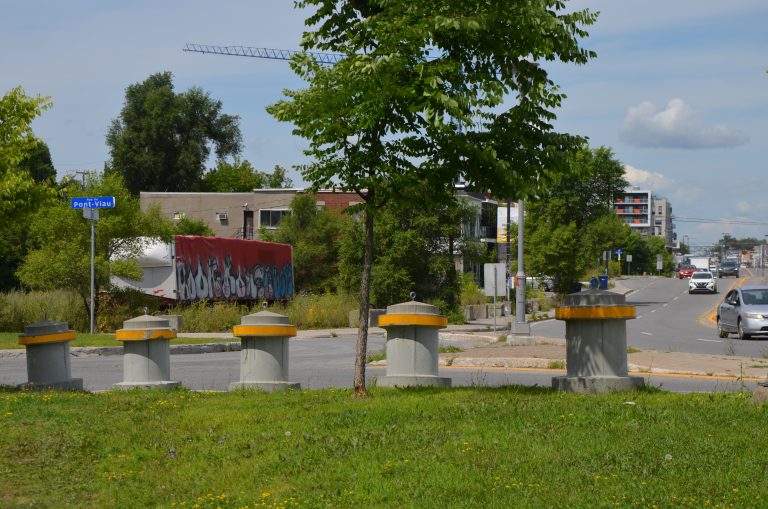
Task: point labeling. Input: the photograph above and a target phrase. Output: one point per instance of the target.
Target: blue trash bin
(603, 282)
(576, 287)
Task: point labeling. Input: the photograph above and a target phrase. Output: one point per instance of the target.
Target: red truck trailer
(215, 268)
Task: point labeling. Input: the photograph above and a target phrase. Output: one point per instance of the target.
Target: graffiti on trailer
(216, 279)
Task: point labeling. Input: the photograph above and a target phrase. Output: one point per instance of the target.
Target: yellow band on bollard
(595, 313)
(264, 330)
(143, 335)
(47, 338)
(413, 319)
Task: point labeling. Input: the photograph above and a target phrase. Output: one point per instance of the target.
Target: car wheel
(742, 335)
(720, 332)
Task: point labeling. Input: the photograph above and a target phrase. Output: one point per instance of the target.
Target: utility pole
(509, 256)
(521, 328)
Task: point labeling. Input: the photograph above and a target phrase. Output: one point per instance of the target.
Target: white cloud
(678, 126)
(647, 179)
(743, 206)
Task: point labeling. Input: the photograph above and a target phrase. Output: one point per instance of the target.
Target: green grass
(10, 340)
(462, 447)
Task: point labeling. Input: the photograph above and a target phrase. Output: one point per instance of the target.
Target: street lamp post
(762, 259)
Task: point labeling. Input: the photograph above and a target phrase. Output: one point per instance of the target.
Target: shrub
(471, 293)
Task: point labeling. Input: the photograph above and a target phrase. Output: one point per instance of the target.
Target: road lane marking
(709, 340)
(653, 310)
(665, 305)
(647, 333)
(709, 317)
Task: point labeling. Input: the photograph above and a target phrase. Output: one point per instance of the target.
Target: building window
(270, 218)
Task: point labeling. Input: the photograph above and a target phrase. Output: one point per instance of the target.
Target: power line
(701, 220)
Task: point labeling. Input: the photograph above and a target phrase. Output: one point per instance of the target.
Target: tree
(240, 176)
(187, 226)
(17, 111)
(20, 194)
(162, 139)
(314, 234)
(61, 240)
(571, 222)
(415, 252)
(38, 163)
(389, 119)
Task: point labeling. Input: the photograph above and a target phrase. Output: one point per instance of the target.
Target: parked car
(744, 312)
(546, 283)
(686, 271)
(702, 281)
(728, 269)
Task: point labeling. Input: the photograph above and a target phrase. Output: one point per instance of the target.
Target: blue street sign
(94, 202)
(619, 251)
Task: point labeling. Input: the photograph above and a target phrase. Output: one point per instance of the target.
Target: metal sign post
(93, 216)
(494, 284)
(90, 207)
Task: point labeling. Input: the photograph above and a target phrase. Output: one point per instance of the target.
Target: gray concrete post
(146, 353)
(412, 345)
(596, 343)
(264, 354)
(48, 365)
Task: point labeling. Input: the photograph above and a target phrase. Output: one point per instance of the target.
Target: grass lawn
(11, 340)
(461, 447)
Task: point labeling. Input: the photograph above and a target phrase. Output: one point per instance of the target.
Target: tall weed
(19, 309)
(326, 311)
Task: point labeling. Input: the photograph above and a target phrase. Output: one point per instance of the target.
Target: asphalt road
(325, 362)
(669, 319)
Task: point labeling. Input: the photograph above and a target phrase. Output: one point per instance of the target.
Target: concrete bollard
(48, 365)
(264, 354)
(146, 353)
(412, 345)
(596, 343)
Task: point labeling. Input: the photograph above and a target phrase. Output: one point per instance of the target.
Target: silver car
(744, 311)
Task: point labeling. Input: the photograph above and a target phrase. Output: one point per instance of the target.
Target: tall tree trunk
(365, 298)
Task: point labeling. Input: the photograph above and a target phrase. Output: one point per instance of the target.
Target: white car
(702, 281)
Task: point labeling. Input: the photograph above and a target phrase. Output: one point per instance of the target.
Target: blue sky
(679, 89)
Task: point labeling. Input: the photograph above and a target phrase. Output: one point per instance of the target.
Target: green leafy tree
(20, 194)
(187, 226)
(39, 164)
(240, 176)
(162, 139)
(314, 234)
(61, 240)
(415, 252)
(389, 118)
(571, 223)
(17, 111)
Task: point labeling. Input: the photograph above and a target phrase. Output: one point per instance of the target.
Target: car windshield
(729, 264)
(758, 297)
(702, 275)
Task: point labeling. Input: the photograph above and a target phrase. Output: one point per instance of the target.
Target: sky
(678, 89)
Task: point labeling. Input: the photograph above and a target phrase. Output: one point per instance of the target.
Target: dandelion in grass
(668, 457)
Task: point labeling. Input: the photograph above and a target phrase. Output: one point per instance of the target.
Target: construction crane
(269, 53)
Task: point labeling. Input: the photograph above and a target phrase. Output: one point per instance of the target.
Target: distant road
(669, 319)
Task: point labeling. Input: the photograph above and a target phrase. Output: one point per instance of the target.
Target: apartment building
(646, 214)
